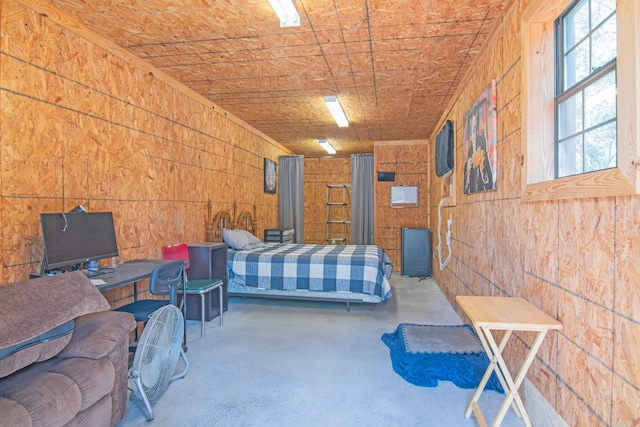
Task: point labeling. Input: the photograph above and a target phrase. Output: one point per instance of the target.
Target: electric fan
(156, 357)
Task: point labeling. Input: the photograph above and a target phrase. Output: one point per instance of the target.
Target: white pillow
(240, 239)
(234, 238)
(253, 240)
(255, 245)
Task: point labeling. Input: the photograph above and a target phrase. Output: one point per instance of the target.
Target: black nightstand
(278, 235)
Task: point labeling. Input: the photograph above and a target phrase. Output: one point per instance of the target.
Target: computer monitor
(76, 237)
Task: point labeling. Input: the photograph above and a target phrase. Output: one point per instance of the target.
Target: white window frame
(538, 108)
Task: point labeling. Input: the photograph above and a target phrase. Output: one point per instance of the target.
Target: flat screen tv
(76, 237)
(444, 150)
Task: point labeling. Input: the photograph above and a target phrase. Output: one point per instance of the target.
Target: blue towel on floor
(424, 354)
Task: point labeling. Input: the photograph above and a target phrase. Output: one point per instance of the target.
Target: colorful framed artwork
(269, 176)
(481, 143)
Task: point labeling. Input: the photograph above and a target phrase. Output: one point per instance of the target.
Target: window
(586, 51)
(595, 151)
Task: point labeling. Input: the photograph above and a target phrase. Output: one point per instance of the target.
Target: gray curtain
(291, 195)
(362, 199)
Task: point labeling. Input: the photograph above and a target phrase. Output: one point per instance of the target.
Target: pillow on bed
(255, 245)
(253, 241)
(234, 238)
(240, 239)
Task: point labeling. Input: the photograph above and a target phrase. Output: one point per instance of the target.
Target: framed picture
(269, 176)
(481, 143)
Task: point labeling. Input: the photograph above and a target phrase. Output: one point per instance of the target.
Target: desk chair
(165, 280)
(200, 287)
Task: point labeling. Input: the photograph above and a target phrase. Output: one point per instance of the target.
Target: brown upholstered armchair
(63, 353)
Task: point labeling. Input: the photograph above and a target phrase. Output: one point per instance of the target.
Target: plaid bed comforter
(328, 268)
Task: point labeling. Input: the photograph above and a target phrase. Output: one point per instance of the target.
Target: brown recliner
(63, 354)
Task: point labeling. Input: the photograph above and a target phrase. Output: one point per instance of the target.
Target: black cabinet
(207, 261)
(416, 252)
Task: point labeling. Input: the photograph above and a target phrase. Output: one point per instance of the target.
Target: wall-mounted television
(76, 237)
(404, 196)
(444, 150)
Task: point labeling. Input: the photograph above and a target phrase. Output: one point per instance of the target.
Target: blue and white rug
(425, 354)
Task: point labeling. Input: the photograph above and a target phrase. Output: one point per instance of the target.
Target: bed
(339, 273)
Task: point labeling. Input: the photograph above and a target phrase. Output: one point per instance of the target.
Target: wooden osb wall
(318, 173)
(409, 160)
(83, 123)
(574, 259)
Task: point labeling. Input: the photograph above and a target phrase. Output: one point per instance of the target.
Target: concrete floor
(293, 363)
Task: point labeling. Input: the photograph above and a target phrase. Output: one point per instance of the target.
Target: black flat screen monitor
(77, 237)
(444, 150)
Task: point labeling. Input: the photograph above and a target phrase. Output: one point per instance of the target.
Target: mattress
(328, 271)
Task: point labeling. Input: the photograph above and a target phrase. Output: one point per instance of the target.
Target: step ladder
(338, 217)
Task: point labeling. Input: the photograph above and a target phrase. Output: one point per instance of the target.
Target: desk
(128, 272)
(504, 314)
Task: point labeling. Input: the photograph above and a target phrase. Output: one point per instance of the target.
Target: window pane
(587, 96)
(600, 100)
(576, 25)
(570, 116)
(577, 64)
(600, 10)
(603, 44)
(570, 157)
(600, 148)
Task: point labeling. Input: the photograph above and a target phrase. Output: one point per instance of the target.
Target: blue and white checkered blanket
(327, 268)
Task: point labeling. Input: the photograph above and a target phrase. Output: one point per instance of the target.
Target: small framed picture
(269, 176)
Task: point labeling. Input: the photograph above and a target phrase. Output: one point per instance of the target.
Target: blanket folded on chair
(34, 306)
(37, 317)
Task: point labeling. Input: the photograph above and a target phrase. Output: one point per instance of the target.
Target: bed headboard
(208, 225)
(247, 221)
(223, 219)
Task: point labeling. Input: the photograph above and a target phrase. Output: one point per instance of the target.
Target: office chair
(165, 280)
(200, 287)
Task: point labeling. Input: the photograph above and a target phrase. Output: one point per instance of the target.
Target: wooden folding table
(504, 314)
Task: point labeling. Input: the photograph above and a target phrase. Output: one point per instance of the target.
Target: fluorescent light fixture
(336, 111)
(325, 144)
(287, 13)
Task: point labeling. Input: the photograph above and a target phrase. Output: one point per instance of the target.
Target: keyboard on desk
(93, 273)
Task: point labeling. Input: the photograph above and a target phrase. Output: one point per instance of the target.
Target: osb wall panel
(574, 259)
(410, 162)
(81, 125)
(318, 173)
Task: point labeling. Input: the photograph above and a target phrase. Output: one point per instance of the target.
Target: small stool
(203, 287)
(196, 286)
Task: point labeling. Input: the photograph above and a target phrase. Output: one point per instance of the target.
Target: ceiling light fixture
(325, 144)
(336, 111)
(287, 13)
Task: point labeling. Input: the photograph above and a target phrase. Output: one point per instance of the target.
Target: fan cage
(158, 351)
